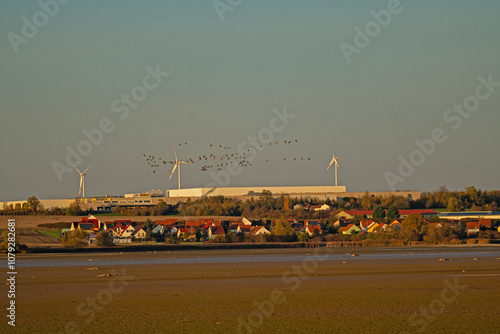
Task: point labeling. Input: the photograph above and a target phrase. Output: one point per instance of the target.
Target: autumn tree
(33, 203)
(282, 228)
(453, 205)
(75, 208)
(413, 227)
(104, 238)
(75, 238)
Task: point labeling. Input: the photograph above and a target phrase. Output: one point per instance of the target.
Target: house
(88, 224)
(310, 229)
(324, 207)
(302, 206)
(186, 232)
(341, 223)
(258, 230)
(396, 224)
(116, 223)
(158, 229)
(233, 228)
(251, 222)
(125, 231)
(351, 229)
(244, 229)
(372, 227)
(204, 228)
(214, 231)
(312, 223)
(381, 228)
(364, 225)
(350, 214)
(475, 227)
(139, 234)
(487, 223)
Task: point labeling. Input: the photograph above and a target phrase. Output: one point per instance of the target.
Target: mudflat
(315, 291)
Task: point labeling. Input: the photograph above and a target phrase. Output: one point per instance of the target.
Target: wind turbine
(177, 162)
(334, 159)
(82, 181)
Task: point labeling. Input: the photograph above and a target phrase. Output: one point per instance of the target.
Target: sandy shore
(306, 295)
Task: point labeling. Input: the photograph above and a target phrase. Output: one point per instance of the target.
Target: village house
(312, 223)
(372, 227)
(139, 234)
(259, 230)
(364, 225)
(214, 231)
(88, 224)
(244, 229)
(310, 229)
(351, 229)
(324, 207)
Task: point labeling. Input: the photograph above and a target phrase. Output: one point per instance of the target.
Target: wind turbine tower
(177, 163)
(334, 160)
(82, 181)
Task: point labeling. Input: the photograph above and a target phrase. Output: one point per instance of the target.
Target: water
(322, 255)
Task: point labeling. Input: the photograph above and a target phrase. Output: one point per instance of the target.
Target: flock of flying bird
(213, 161)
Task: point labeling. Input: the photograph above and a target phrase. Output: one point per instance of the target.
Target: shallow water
(322, 255)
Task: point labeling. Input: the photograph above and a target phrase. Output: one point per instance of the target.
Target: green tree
(198, 233)
(148, 224)
(104, 238)
(392, 212)
(378, 212)
(33, 203)
(75, 238)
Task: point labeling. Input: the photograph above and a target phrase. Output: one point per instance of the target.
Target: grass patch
(51, 232)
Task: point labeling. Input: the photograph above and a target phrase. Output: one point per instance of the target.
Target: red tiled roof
(359, 212)
(311, 228)
(416, 211)
(217, 230)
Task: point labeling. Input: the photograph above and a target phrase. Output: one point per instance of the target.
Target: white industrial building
(256, 191)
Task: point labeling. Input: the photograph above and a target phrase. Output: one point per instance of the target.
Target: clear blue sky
(225, 79)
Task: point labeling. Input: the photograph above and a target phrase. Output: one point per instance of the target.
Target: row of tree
(269, 205)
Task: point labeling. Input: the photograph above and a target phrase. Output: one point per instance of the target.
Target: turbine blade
(81, 182)
(87, 169)
(331, 162)
(175, 152)
(77, 170)
(173, 170)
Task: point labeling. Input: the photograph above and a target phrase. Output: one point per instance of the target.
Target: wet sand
(309, 294)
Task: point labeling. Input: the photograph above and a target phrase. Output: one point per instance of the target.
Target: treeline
(469, 199)
(269, 205)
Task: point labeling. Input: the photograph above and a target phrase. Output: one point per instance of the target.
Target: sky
(408, 91)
